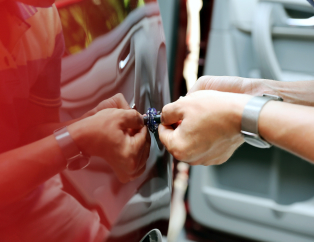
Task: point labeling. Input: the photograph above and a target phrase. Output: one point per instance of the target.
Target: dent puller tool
(152, 119)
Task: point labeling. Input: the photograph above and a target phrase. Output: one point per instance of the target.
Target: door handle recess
(125, 56)
(124, 62)
(268, 16)
(309, 22)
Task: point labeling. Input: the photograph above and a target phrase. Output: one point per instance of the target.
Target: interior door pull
(124, 62)
(309, 22)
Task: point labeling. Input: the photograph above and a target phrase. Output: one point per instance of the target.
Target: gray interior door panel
(266, 195)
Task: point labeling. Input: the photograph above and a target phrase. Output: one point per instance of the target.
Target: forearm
(47, 120)
(300, 92)
(289, 127)
(43, 130)
(23, 169)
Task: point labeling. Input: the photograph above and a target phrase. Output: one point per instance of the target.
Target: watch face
(78, 162)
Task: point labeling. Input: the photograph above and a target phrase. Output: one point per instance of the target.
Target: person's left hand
(208, 125)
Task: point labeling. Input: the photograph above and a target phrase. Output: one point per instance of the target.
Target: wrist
(80, 136)
(258, 87)
(250, 120)
(237, 109)
(269, 112)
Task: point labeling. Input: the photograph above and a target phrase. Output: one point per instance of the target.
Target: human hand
(116, 101)
(208, 126)
(119, 136)
(251, 86)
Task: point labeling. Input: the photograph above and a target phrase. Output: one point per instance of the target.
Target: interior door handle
(309, 22)
(267, 16)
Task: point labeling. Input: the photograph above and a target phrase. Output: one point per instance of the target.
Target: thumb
(166, 135)
(116, 101)
(172, 113)
(131, 119)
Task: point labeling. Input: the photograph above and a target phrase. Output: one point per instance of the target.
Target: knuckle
(134, 113)
(178, 154)
(166, 112)
(132, 166)
(195, 163)
(124, 154)
(121, 115)
(116, 100)
(166, 109)
(202, 79)
(112, 103)
(119, 96)
(204, 82)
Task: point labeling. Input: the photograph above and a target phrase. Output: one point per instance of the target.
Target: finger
(120, 101)
(139, 140)
(131, 119)
(139, 173)
(165, 133)
(200, 84)
(122, 177)
(172, 113)
(176, 125)
(145, 152)
(141, 146)
(117, 101)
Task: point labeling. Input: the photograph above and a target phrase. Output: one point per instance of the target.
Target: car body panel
(130, 59)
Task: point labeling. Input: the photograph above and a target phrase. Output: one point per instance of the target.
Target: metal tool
(152, 119)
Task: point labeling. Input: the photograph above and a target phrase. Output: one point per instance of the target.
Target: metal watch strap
(250, 116)
(66, 143)
(76, 160)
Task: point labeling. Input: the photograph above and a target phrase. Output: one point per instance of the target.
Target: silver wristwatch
(76, 160)
(249, 123)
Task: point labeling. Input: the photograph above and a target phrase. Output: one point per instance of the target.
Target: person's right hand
(117, 135)
(254, 87)
(204, 127)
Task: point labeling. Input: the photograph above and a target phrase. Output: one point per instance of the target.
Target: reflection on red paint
(32, 47)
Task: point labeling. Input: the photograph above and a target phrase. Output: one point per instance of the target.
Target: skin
(111, 130)
(292, 92)
(218, 104)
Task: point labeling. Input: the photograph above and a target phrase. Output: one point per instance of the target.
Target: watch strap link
(250, 116)
(66, 143)
(251, 113)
